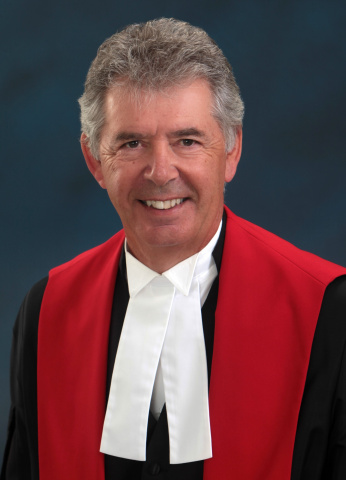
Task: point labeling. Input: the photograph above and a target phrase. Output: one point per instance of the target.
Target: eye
(187, 142)
(132, 144)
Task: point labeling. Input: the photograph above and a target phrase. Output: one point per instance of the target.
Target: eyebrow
(188, 132)
(125, 136)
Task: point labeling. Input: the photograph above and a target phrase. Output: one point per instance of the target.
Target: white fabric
(162, 327)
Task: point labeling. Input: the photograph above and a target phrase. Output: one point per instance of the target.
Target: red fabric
(269, 299)
(72, 364)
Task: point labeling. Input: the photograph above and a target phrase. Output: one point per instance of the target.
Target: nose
(161, 167)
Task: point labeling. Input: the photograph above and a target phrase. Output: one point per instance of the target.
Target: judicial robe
(267, 420)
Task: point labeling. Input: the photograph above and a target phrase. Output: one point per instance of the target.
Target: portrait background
(289, 60)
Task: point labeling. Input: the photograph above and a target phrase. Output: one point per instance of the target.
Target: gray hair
(154, 56)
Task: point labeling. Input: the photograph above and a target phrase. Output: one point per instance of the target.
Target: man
(192, 344)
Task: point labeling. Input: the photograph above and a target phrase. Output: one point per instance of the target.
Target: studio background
(289, 59)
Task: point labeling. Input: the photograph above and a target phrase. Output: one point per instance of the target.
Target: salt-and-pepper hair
(153, 57)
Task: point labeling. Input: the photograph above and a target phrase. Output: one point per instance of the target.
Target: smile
(163, 204)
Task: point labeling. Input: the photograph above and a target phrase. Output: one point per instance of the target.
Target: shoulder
(25, 330)
(27, 319)
(267, 248)
(333, 313)
(96, 254)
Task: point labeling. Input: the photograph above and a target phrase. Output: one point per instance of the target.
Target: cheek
(112, 185)
(112, 174)
(214, 178)
(120, 183)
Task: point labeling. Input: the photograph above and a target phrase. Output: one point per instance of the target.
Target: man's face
(164, 164)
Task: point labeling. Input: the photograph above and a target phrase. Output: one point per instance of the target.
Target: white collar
(180, 275)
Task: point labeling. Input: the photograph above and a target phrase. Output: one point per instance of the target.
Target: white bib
(163, 323)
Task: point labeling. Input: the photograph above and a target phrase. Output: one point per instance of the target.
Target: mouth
(163, 204)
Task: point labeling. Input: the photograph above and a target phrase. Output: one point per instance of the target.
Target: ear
(93, 164)
(233, 157)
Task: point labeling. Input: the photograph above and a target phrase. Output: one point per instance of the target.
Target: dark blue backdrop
(289, 59)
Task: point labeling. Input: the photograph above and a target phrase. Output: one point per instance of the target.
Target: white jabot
(162, 343)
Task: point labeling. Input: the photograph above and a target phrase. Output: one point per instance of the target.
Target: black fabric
(21, 452)
(320, 447)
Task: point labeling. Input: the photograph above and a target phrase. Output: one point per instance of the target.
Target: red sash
(269, 300)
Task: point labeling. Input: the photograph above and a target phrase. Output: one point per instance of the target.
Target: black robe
(322, 413)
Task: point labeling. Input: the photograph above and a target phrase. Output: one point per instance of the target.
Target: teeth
(164, 205)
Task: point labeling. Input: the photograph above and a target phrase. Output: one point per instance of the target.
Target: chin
(167, 242)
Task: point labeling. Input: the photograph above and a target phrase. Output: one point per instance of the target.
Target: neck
(162, 258)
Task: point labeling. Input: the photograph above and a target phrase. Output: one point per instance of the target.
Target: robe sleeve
(21, 452)
(336, 465)
(320, 446)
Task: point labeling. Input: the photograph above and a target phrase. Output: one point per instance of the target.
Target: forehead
(187, 104)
